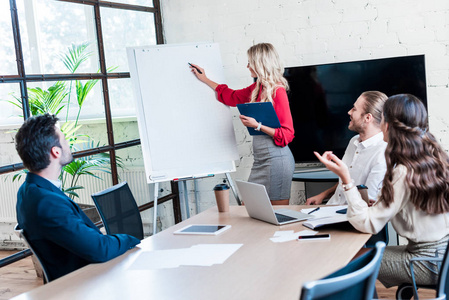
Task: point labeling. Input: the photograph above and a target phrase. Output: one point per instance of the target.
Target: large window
(42, 43)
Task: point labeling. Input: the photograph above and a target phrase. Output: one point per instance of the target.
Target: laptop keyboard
(283, 218)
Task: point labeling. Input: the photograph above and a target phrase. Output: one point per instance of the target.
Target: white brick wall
(320, 31)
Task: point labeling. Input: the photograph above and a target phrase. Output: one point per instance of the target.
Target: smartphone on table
(317, 237)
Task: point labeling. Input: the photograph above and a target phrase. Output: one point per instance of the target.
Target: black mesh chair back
(118, 210)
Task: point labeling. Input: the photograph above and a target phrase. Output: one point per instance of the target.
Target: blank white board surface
(184, 131)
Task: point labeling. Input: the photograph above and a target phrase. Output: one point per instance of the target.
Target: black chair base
(404, 291)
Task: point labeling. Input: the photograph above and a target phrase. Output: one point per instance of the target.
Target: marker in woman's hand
(195, 68)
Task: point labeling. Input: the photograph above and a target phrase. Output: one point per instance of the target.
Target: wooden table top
(260, 269)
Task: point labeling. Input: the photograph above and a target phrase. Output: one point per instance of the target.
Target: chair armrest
(419, 259)
(439, 250)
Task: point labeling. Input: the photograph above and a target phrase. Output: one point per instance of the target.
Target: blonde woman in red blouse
(273, 161)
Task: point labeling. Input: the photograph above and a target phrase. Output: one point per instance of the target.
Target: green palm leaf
(75, 56)
(70, 131)
(53, 100)
(47, 101)
(71, 191)
(19, 174)
(83, 90)
(16, 102)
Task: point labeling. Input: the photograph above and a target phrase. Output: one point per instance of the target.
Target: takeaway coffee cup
(222, 197)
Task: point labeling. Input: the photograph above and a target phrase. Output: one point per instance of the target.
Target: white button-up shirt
(366, 163)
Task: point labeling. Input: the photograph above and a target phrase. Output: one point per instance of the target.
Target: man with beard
(62, 236)
(365, 154)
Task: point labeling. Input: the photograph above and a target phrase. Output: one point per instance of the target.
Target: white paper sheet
(198, 255)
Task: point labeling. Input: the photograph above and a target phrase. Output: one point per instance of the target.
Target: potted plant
(56, 100)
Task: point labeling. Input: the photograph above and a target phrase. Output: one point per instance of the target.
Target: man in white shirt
(365, 154)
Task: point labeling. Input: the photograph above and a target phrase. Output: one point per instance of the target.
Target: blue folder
(261, 111)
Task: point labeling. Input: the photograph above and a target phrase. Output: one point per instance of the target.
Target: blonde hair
(264, 60)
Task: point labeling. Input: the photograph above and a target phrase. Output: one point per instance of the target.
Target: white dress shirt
(415, 225)
(366, 163)
(56, 183)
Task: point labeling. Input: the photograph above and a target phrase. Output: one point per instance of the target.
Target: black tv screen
(320, 97)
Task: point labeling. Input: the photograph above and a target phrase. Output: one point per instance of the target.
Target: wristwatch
(258, 126)
(347, 187)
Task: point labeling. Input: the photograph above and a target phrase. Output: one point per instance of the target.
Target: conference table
(259, 269)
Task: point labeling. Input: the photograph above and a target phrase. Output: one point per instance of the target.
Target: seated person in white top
(414, 196)
(365, 154)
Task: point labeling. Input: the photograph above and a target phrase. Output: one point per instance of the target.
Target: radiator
(8, 197)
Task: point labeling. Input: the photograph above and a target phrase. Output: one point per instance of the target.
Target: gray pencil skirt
(273, 167)
(394, 268)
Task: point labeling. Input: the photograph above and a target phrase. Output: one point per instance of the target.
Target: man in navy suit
(63, 237)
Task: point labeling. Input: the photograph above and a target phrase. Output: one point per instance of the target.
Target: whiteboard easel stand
(186, 199)
(197, 195)
(183, 182)
(219, 150)
(156, 194)
(182, 191)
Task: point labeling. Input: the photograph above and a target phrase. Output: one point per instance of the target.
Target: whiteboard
(184, 131)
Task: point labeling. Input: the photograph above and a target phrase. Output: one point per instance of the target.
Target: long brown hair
(412, 145)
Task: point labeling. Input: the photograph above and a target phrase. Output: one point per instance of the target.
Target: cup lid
(220, 187)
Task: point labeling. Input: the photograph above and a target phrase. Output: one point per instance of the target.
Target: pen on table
(195, 68)
(314, 210)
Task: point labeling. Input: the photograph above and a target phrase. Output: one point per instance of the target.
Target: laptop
(259, 207)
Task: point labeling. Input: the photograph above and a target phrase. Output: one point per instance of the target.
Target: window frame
(22, 78)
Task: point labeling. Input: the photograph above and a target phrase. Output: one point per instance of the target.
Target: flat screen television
(320, 97)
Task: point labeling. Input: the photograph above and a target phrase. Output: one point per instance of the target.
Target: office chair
(354, 281)
(19, 231)
(118, 210)
(407, 290)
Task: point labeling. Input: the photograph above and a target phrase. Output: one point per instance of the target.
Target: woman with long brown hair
(414, 196)
(273, 161)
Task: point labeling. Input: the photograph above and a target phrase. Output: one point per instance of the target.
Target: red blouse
(282, 135)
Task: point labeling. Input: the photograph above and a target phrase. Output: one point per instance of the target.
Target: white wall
(314, 31)
(320, 31)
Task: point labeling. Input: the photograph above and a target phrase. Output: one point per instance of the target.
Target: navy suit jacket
(61, 234)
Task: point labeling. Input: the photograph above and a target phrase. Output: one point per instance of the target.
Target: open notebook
(326, 215)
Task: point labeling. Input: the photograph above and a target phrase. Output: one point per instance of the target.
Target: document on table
(326, 215)
(198, 255)
(320, 222)
(324, 211)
